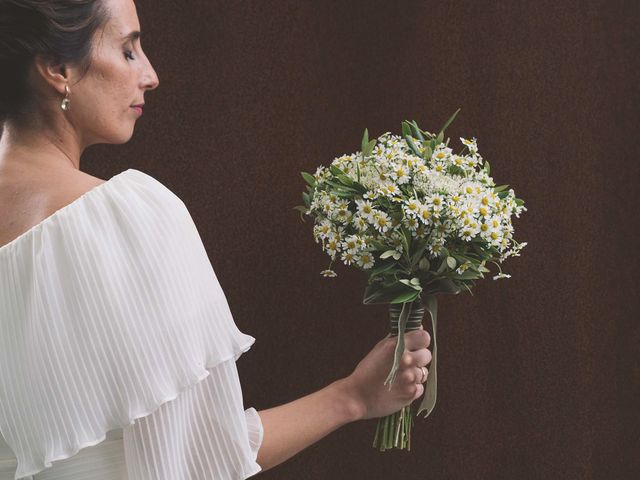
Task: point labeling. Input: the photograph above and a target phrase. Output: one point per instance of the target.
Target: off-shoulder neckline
(68, 206)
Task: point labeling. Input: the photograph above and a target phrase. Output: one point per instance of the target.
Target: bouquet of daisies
(420, 220)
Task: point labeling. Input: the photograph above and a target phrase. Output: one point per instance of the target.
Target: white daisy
(365, 209)
(501, 275)
(365, 260)
(360, 223)
(351, 244)
(411, 207)
(348, 257)
(425, 215)
(381, 222)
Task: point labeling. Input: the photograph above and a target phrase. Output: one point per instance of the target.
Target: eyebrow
(132, 36)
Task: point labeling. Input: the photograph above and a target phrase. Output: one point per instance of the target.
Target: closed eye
(128, 54)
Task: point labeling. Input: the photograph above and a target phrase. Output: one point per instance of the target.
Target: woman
(117, 348)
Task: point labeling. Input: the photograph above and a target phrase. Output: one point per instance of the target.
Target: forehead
(123, 18)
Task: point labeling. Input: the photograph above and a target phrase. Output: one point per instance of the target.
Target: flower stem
(394, 431)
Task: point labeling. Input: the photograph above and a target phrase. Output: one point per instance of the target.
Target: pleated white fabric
(118, 348)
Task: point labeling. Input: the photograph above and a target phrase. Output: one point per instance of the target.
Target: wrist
(351, 400)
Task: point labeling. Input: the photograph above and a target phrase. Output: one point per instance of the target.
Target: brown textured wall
(538, 374)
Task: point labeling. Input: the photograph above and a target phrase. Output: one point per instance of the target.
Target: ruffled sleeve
(111, 315)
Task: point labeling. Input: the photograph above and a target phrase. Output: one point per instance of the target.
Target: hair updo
(59, 29)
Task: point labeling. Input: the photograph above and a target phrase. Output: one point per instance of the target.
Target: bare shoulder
(27, 198)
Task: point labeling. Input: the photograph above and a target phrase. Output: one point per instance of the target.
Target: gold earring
(66, 103)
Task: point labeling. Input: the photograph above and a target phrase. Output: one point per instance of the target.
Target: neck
(43, 149)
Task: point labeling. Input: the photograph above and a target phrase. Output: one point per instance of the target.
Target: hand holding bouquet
(420, 220)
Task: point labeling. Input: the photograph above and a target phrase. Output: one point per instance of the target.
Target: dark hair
(58, 29)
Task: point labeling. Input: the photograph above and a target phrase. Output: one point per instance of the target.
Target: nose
(151, 80)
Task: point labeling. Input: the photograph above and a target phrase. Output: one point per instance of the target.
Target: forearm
(292, 427)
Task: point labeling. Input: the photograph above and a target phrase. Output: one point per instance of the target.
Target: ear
(52, 72)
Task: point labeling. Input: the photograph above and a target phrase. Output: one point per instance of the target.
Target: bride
(117, 347)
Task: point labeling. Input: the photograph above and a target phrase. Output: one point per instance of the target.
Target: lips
(138, 108)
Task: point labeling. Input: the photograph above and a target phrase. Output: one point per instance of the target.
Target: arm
(292, 427)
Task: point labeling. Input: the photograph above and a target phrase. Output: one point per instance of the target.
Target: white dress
(117, 346)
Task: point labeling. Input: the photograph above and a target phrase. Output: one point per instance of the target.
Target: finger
(419, 391)
(420, 377)
(416, 339)
(418, 358)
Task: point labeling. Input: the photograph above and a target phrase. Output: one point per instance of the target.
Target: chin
(118, 138)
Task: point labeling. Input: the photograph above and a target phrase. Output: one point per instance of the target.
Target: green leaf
(412, 145)
(381, 268)
(451, 262)
(335, 170)
(365, 140)
(424, 264)
(409, 284)
(415, 281)
(439, 138)
(428, 151)
(419, 246)
(378, 293)
(406, 297)
(345, 179)
(378, 245)
(306, 198)
(448, 122)
(500, 188)
(442, 285)
(406, 238)
(442, 267)
(309, 178)
(416, 130)
(467, 275)
(341, 186)
(406, 128)
(487, 167)
(387, 254)
(370, 146)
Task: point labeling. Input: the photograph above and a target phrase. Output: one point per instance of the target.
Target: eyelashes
(128, 55)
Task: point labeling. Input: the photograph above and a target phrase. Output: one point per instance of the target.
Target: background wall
(538, 374)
